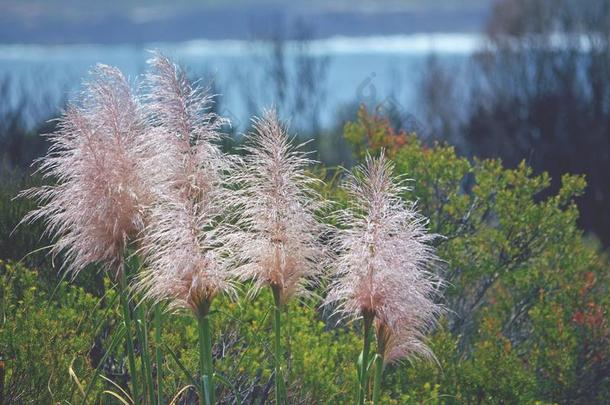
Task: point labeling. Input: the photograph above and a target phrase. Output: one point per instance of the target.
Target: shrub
(46, 333)
(527, 294)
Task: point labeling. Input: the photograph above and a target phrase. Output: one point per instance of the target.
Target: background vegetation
(527, 294)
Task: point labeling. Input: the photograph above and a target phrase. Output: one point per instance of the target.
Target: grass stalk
(128, 334)
(145, 351)
(158, 353)
(277, 347)
(378, 374)
(207, 391)
(363, 388)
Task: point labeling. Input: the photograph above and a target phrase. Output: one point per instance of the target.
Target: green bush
(527, 294)
(45, 334)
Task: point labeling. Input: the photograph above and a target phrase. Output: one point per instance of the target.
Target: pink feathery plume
(95, 158)
(278, 243)
(185, 130)
(182, 251)
(384, 266)
(181, 243)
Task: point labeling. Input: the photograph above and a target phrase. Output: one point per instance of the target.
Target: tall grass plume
(383, 272)
(278, 241)
(182, 242)
(97, 204)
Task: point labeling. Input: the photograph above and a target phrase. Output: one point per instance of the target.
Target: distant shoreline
(418, 43)
(246, 23)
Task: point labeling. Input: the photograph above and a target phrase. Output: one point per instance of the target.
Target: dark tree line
(539, 91)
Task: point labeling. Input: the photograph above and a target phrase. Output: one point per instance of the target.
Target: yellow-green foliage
(43, 331)
(322, 359)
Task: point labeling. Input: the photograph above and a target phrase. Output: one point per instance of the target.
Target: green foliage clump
(527, 294)
(45, 336)
(322, 359)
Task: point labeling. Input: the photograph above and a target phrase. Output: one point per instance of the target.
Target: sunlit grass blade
(175, 398)
(75, 377)
(125, 395)
(118, 397)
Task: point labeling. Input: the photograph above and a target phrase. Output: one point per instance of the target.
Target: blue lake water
(372, 70)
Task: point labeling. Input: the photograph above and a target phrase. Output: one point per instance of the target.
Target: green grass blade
(142, 331)
(158, 354)
(188, 375)
(117, 337)
(231, 386)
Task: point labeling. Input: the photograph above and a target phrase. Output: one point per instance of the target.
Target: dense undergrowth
(527, 297)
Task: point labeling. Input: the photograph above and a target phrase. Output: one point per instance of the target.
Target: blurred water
(371, 70)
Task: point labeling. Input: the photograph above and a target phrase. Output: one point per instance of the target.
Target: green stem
(205, 360)
(278, 347)
(288, 351)
(362, 391)
(128, 335)
(159, 356)
(146, 363)
(378, 374)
